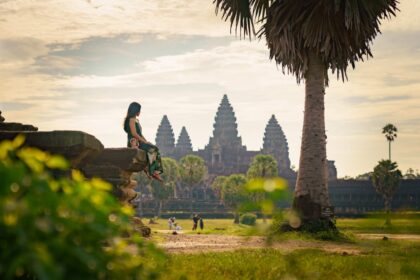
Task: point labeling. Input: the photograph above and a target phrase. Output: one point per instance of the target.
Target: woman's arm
(134, 131)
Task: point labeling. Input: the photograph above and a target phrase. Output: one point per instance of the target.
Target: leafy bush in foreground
(248, 219)
(60, 228)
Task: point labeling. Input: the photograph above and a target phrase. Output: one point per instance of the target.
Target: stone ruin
(87, 154)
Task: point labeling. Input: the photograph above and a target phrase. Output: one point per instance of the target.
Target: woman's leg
(154, 159)
(134, 143)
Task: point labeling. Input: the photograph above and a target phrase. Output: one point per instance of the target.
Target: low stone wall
(86, 153)
(349, 197)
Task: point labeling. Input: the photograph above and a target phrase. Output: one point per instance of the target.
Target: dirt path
(200, 243)
(376, 236)
(189, 243)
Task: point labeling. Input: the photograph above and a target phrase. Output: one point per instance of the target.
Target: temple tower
(183, 145)
(275, 144)
(224, 151)
(165, 138)
(225, 127)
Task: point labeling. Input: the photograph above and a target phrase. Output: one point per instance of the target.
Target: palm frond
(340, 32)
(239, 14)
(243, 13)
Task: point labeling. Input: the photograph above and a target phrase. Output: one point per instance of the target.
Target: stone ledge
(6, 126)
(76, 146)
(127, 159)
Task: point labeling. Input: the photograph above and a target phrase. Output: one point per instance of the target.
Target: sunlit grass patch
(395, 260)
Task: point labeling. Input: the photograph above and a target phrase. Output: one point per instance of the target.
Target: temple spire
(275, 143)
(225, 127)
(165, 138)
(183, 145)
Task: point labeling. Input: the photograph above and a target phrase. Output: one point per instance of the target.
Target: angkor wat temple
(225, 153)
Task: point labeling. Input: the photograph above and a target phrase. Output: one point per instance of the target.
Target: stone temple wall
(349, 197)
(86, 153)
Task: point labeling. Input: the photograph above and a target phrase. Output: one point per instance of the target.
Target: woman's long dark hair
(132, 112)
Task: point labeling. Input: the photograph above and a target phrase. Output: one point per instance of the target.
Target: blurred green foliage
(64, 228)
(248, 219)
(269, 192)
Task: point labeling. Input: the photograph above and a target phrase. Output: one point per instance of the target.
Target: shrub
(61, 228)
(248, 219)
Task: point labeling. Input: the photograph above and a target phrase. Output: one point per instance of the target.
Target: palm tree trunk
(236, 218)
(191, 198)
(311, 192)
(387, 211)
(389, 150)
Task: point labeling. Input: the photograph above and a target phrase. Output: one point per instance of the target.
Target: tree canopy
(192, 169)
(263, 166)
(217, 185)
(234, 191)
(386, 178)
(339, 32)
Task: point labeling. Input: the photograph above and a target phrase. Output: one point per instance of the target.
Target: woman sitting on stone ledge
(137, 140)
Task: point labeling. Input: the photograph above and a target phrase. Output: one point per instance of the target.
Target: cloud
(357, 100)
(21, 49)
(49, 19)
(78, 64)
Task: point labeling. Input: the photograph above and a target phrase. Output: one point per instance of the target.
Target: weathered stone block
(6, 126)
(126, 159)
(76, 146)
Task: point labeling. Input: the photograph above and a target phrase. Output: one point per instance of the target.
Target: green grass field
(213, 226)
(376, 259)
(408, 223)
(393, 260)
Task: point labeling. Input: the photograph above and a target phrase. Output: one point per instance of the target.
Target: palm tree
(163, 190)
(217, 185)
(307, 38)
(192, 170)
(390, 132)
(385, 178)
(234, 193)
(262, 166)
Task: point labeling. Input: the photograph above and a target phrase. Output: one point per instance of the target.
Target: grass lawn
(381, 260)
(408, 223)
(376, 259)
(213, 226)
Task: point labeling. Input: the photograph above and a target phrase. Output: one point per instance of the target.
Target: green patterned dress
(152, 152)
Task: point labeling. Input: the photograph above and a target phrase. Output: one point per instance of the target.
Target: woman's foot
(157, 177)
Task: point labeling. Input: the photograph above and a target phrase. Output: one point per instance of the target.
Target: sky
(76, 65)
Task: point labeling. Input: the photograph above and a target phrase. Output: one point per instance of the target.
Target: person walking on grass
(170, 223)
(195, 221)
(201, 223)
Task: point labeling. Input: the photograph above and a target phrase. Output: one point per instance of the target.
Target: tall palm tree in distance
(390, 132)
(308, 38)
